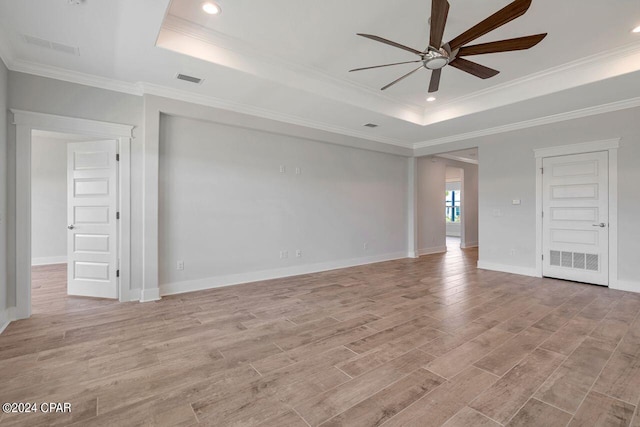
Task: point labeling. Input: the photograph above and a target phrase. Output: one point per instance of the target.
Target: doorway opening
(454, 179)
(74, 247)
(91, 182)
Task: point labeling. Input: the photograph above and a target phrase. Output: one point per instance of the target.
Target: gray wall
(431, 187)
(48, 200)
(3, 192)
(40, 94)
(226, 209)
(507, 172)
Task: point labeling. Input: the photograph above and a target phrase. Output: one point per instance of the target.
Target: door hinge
(117, 215)
(542, 214)
(543, 257)
(117, 273)
(542, 171)
(117, 157)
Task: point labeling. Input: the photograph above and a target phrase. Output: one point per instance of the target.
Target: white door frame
(26, 122)
(610, 145)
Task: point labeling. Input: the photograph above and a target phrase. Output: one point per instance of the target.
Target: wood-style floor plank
(415, 342)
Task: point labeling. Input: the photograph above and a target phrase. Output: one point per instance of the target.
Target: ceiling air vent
(189, 79)
(59, 47)
(371, 125)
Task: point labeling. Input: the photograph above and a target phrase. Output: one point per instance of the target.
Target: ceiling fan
(438, 55)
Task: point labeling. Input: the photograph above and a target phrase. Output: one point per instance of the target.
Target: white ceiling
(288, 60)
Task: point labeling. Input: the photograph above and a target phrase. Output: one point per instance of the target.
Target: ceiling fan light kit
(438, 55)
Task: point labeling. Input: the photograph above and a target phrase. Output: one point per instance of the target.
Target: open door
(92, 217)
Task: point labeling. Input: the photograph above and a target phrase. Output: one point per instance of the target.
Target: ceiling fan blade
(473, 68)
(390, 43)
(520, 43)
(439, 13)
(498, 19)
(385, 65)
(402, 78)
(434, 84)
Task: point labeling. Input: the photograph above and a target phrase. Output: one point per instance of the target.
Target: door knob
(601, 225)
(70, 227)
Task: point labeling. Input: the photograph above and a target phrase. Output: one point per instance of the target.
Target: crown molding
(590, 69)
(75, 77)
(555, 118)
(209, 101)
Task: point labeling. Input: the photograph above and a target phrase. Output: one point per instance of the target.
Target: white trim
(432, 251)
(240, 278)
(149, 295)
(610, 145)
(555, 118)
(51, 260)
(77, 77)
(458, 158)
(626, 285)
(135, 294)
(25, 123)
(50, 122)
(6, 317)
(504, 268)
(469, 245)
(580, 148)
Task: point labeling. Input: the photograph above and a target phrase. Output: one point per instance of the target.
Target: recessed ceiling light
(212, 8)
(636, 29)
(431, 99)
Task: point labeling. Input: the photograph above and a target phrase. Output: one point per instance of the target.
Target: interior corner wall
(227, 211)
(40, 94)
(4, 317)
(48, 200)
(431, 187)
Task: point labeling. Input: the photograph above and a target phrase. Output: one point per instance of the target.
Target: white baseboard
(256, 276)
(412, 254)
(49, 260)
(468, 245)
(512, 269)
(149, 295)
(6, 317)
(626, 285)
(431, 251)
(134, 295)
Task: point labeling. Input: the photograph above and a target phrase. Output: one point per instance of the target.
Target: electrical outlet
(180, 265)
(365, 246)
(284, 254)
(298, 170)
(513, 252)
(298, 253)
(283, 169)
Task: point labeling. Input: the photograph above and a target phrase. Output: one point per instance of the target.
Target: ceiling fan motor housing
(435, 59)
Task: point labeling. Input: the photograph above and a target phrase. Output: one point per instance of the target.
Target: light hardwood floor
(424, 342)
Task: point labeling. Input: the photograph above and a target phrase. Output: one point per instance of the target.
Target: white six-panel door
(576, 218)
(91, 212)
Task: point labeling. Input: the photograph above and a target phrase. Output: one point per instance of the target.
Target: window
(452, 205)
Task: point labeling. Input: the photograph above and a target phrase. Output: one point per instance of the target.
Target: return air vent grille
(189, 79)
(575, 260)
(47, 44)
